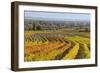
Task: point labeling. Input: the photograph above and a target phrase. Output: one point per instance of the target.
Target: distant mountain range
(59, 22)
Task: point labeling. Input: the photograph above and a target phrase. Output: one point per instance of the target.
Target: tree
(38, 28)
(34, 26)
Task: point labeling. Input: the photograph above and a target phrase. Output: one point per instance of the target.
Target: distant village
(82, 26)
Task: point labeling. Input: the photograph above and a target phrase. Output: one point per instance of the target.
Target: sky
(56, 16)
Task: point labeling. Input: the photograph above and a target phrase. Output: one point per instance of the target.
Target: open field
(56, 45)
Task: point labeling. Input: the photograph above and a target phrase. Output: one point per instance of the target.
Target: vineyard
(43, 46)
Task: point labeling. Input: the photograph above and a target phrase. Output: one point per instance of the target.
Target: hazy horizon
(56, 16)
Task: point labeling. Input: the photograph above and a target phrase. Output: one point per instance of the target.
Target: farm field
(56, 45)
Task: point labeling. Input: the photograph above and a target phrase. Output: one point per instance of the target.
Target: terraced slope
(40, 48)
